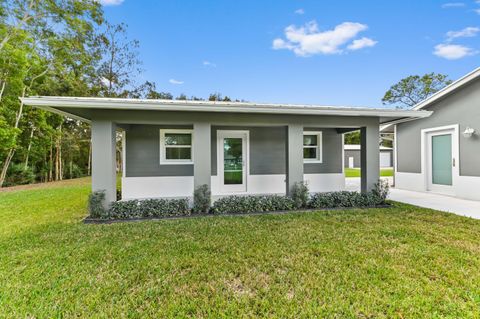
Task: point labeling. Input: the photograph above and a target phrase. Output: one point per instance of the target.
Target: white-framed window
(176, 146)
(312, 147)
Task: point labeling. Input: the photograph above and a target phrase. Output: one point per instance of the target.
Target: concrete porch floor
(463, 207)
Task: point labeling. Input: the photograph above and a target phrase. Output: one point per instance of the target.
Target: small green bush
(95, 204)
(149, 208)
(252, 204)
(201, 199)
(300, 194)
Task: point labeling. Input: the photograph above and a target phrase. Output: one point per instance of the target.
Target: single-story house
(172, 147)
(441, 153)
(352, 156)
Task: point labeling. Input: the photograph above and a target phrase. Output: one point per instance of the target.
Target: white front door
(441, 161)
(232, 151)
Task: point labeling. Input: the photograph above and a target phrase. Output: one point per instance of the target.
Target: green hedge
(138, 208)
(252, 204)
(236, 204)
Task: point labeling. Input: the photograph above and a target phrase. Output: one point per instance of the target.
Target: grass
(403, 262)
(355, 172)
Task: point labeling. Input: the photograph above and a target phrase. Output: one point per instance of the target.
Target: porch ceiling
(75, 107)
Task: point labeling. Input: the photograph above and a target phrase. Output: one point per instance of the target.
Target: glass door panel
(442, 159)
(233, 161)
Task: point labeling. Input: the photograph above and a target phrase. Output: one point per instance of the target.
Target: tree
(41, 42)
(120, 62)
(352, 138)
(413, 89)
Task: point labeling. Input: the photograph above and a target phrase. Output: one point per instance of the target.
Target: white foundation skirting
(467, 187)
(256, 184)
(157, 187)
(325, 182)
(182, 186)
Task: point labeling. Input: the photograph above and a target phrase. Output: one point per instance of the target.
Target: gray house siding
(267, 151)
(463, 108)
(331, 153)
(143, 153)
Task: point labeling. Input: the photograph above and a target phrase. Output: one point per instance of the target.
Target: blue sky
(299, 51)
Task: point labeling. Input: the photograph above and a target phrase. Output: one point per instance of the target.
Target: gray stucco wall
(463, 108)
(331, 153)
(143, 153)
(267, 151)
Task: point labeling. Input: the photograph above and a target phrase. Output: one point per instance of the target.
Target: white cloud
(362, 43)
(468, 32)
(477, 11)
(299, 11)
(176, 82)
(111, 2)
(105, 81)
(208, 63)
(452, 51)
(453, 5)
(309, 40)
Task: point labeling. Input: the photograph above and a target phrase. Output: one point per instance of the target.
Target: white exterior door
(441, 161)
(232, 151)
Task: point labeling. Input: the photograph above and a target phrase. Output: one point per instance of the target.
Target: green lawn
(403, 262)
(355, 172)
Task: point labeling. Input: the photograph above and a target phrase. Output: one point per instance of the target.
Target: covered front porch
(165, 160)
(172, 147)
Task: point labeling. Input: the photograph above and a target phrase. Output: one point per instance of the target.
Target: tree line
(60, 48)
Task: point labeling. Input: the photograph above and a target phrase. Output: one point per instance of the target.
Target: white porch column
(104, 159)
(370, 156)
(294, 155)
(202, 154)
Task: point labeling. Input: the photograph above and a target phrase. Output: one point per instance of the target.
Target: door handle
(453, 162)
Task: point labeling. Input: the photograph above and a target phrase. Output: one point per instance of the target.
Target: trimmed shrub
(201, 199)
(252, 204)
(95, 204)
(376, 197)
(300, 194)
(149, 208)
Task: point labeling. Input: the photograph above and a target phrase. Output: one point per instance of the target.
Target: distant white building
(352, 156)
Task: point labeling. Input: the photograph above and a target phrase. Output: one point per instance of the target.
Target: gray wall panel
(463, 108)
(332, 153)
(267, 149)
(143, 153)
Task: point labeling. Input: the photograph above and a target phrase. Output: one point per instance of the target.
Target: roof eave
(51, 103)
